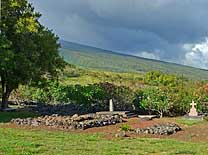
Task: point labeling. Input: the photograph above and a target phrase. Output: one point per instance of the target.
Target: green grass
(8, 116)
(14, 141)
(42, 142)
(74, 75)
(189, 122)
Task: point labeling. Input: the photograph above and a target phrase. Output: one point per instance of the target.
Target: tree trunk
(5, 98)
(6, 91)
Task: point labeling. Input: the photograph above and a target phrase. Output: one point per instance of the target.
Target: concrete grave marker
(111, 107)
(193, 111)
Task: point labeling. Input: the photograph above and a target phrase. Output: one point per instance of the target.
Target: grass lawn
(8, 116)
(25, 142)
(189, 122)
(15, 141)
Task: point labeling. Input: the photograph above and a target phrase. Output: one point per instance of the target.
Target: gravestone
(111, 107)
(193, 111)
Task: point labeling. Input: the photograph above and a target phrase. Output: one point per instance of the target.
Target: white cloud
(197, 54)
(148, 55)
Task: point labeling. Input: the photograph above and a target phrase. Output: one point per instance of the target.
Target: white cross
(193, 104)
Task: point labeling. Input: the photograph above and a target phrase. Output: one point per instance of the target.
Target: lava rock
(121, 134)
(161, 129)
(66, 122)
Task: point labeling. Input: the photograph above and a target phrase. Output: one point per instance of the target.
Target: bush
(201, 95)
(157, 78)
(44, 92)
(206, 118)
(88, 96)
(171, 101)
(180, 99)
(93, 96)
(122, 96)
(154, 100)
(125, 128)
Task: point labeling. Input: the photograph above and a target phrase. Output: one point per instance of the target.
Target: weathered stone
(67, 122)
(75, 116)
(161, 129)
(120, 134)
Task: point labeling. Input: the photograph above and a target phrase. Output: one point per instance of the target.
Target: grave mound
(160, 129)
(70, 123)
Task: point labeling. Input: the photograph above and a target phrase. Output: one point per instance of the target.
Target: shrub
(155, 100)
(180, 99)
(122, 96)
(206, 118)
(125, 128)
(157, 78)
(172, 101)
(86, 95)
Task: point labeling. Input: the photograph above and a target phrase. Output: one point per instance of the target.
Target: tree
(201, 96)
(155, 99)
(179, 100)
(28, 50)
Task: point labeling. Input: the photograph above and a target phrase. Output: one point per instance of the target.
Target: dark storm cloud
(157, 28)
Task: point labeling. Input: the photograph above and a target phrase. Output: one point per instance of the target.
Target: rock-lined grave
(83, 122)
(160, 129)
(70, 123)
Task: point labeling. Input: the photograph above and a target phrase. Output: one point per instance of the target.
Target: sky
(169, 30)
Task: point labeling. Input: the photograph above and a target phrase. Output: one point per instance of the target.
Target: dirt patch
(133, 123)
(195, 133)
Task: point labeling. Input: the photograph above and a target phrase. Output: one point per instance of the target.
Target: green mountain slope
(95, 58)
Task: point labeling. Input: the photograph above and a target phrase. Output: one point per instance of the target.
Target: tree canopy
(28, 50)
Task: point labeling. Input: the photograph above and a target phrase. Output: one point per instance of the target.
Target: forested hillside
(95, 58)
